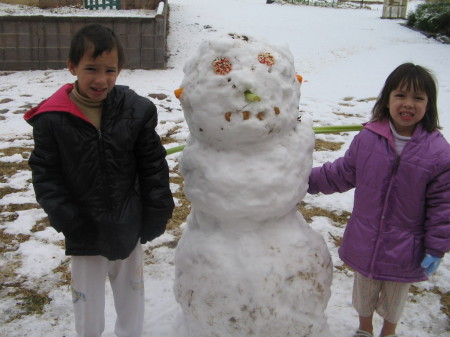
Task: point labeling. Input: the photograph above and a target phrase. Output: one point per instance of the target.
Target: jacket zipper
(381, 225)
(103, 169)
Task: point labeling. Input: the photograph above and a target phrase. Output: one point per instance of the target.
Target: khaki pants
(88, 294)
(388, 298)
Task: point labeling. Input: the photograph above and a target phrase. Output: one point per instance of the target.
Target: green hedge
(433, 17)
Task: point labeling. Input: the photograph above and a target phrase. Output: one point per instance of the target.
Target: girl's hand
(430, 263)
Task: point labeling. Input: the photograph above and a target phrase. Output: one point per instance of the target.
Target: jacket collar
(59, 101)
(383, 129)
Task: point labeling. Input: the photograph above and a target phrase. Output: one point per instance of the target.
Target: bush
(433, 17)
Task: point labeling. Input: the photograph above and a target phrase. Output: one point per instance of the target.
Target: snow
(344, 56)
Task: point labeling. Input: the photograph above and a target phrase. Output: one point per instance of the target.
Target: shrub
(433, 17)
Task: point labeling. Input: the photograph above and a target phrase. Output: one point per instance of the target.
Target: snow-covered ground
(344, 56)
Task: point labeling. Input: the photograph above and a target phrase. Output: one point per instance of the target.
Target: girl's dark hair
(410, 77)
(101, 39)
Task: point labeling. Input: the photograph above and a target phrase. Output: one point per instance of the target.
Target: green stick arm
(337, 128)
(175, 149)
(317, 130)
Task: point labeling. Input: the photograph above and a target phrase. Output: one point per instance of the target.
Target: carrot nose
(251, 97)
(178, 92)
(299, 78)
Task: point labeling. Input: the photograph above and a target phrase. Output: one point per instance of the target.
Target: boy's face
(96, 77)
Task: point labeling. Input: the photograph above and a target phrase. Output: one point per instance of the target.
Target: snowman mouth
(247, 115)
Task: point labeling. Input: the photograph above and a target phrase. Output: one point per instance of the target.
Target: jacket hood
(59, 101)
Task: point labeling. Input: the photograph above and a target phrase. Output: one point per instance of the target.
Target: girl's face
(407, 108)
(96, 77)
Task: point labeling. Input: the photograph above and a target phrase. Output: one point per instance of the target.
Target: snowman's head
(239, 91)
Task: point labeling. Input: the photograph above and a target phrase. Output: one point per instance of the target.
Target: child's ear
(72, 67)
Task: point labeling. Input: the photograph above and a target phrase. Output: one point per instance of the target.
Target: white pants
(88, 294)
(388, 298)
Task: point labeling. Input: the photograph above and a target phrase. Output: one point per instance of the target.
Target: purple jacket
(402, 203)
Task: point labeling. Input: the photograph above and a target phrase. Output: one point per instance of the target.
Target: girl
(399, 165)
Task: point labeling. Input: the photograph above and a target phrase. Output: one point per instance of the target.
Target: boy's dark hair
(411, 77)
(101, 39)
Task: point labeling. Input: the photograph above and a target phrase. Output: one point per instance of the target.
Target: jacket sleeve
(153, 174)
(437, 222)
(338, 176)
(48, 183)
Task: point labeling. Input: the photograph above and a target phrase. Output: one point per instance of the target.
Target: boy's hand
(430, 263)
(150, 233)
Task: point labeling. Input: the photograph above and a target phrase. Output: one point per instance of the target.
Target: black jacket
(104, 189)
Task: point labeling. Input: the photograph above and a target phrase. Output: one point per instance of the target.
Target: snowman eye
(222, 65)
(267, 59)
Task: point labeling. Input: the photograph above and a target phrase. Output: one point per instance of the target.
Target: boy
(99, 172)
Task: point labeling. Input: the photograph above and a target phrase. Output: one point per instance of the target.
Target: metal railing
(102, 4)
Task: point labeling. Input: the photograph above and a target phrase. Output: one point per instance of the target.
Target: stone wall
(139, 4)
(125, 4)
(42, 42)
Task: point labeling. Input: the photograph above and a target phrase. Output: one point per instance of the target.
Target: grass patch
(8, 217)
(344, 268)
(445, 297)
(366, 100)
(24, 151)
(64, 270)
(445, 300)
(323, 145)
(168, 139)
(5, 241)
(181, 212)
(343, 114)
(9, 190)
(339, 219)
(40, 225)
(336, 239)
(8, 169)
(18, 207)
(30, 302)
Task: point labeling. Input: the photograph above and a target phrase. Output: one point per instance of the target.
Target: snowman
(248, 264)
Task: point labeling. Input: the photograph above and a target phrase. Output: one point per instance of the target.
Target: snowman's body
(248, 264)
